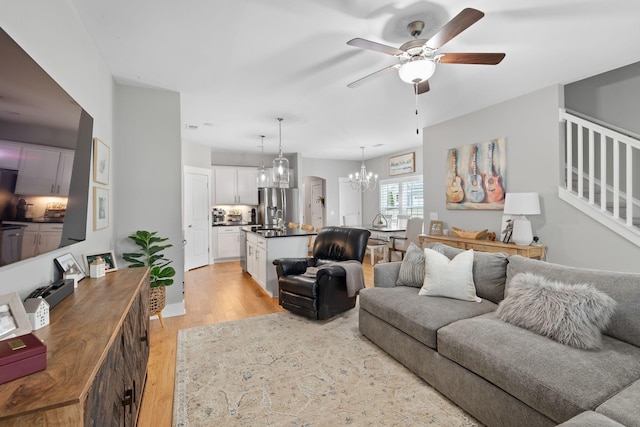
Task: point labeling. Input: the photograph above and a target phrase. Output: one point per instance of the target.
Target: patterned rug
(283, 370)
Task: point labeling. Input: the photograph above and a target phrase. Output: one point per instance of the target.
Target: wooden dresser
(484, 245)
(97, 352)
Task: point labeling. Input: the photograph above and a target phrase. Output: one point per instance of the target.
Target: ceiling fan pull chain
(415, 88)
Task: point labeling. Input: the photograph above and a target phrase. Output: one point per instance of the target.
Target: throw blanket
(354, 274)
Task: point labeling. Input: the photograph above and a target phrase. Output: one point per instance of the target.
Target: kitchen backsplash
(243, 210)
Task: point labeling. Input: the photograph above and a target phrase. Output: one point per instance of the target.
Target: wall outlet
(433, 216)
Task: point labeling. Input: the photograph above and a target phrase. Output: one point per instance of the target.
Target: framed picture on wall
(100, 208)
(402, 164)
(101, 161)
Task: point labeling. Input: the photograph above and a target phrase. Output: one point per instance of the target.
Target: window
(402, 196)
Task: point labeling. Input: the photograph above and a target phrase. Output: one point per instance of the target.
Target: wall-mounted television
(45, 157)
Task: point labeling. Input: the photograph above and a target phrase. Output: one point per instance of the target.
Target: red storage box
(21, 356)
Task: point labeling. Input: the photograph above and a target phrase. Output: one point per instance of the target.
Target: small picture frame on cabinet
(109, 260)
(68, 262)
(13, 317)
(436, 228)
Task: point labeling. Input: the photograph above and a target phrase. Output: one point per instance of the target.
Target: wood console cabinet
(484, 245)
(97, 352)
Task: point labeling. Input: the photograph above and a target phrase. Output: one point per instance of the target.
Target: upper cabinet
(235, 186)
(44, 171)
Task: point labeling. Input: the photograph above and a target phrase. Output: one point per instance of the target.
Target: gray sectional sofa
(502, 374)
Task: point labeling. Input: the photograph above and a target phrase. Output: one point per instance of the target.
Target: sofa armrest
(291, 266)
(385, 274)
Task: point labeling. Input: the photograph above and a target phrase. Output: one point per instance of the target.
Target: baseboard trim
(175, 309)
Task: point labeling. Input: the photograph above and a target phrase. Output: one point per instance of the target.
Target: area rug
(283, 370)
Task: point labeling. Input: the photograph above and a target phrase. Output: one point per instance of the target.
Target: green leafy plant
(151, 256)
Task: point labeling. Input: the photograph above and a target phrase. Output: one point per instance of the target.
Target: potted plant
(161, 271)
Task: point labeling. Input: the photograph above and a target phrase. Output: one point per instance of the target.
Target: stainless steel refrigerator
(272, 201)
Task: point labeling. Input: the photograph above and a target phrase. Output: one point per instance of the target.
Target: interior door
(317, 207)
(196, 207)
(350, 200)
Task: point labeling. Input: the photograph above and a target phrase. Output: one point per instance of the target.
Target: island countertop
(271, 233)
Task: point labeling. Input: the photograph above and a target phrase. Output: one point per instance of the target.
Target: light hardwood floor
(213, 294)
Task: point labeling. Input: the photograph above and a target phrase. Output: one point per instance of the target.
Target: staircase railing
(599, 174)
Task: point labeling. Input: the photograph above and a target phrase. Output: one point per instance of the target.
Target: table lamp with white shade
(519, 205)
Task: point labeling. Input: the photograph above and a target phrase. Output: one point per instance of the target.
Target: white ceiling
(240, 64)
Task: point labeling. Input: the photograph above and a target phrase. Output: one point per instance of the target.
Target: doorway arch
(314, 206)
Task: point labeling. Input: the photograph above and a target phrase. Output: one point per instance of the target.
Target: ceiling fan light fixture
(417, 70)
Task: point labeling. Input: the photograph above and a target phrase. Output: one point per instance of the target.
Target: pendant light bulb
(262, 172)
(280, 165)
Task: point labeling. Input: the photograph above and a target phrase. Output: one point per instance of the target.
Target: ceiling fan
(418, 58)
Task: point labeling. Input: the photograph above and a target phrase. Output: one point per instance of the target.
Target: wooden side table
(536, 252)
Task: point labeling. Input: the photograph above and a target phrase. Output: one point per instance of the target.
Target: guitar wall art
(476, 176)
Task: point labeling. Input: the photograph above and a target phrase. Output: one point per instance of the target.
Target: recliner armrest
(291, 266)
(331, 271)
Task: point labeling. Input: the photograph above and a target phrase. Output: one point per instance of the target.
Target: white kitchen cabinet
(39, 238)
(235, 186)
(228, 242)
(44, 171)
(9, 155)
(257, 259)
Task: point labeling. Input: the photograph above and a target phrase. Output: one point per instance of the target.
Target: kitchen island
(265, 245)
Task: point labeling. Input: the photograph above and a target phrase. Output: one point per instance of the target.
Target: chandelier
(280, 165)
(363, 181)
(262, 172)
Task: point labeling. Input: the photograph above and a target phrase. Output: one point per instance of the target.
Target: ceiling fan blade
(423, 87)
(371, 76)
(368, 44)
(472, 58)
(458, 24)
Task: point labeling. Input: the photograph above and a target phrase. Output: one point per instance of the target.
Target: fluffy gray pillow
(572, 314)
(412, 268)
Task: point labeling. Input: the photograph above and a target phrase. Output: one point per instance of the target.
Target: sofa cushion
(624, 288)
(449, 278)
(489, 271)
(623, 407)
(570, 314)
(419, 317)
(590, 419)
(557, 381)
(412, 268)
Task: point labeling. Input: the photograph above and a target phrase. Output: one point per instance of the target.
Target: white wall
(148, 178)
(52, 34)
(531, 127)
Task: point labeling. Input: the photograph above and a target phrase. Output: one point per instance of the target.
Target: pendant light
(363, 181)
(262, 172)
(280, 165)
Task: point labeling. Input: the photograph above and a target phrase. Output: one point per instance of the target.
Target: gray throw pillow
(572, 314)
(489, 271)
(412, 268)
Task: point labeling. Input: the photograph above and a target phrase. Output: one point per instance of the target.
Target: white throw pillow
(449, 278)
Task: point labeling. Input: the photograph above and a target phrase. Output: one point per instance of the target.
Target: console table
(97, 352)
(484, 245)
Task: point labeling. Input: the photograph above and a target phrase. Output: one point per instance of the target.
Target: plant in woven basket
(151, 256)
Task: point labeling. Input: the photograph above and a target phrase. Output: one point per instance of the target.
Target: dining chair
(401, 243)
(351, 219)
(402, 221)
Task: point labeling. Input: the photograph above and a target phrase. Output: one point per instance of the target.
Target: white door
(350, 200)
(317, 208)
(196, 206)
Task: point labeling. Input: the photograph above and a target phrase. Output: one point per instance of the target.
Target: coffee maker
(219, 216)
